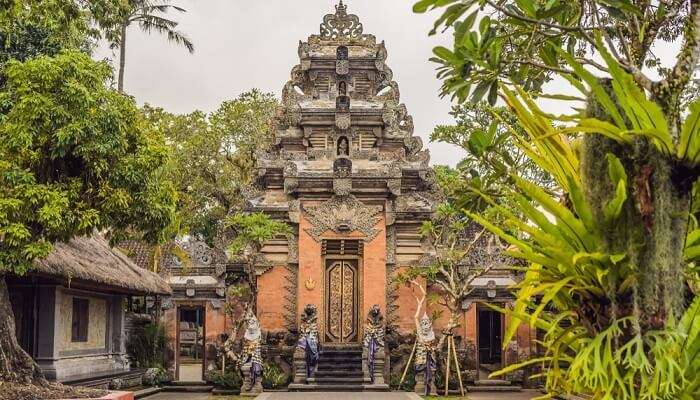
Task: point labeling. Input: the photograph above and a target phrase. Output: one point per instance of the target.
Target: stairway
(339, 370)
(494, 385)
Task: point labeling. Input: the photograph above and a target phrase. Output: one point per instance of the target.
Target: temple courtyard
(524, 395)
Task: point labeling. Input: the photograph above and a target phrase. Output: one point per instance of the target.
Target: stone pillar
(420, 385)
(248, 389)
(299, 366)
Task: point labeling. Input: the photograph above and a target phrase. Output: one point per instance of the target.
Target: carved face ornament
(252, 331)
(426, 332)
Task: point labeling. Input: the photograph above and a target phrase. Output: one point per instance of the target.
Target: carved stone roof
(341, 102)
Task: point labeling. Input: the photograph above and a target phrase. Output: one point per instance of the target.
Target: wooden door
(341, 301)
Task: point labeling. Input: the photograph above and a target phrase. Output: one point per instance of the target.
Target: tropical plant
(149, 15)
(230, 379)
(585, 288)
(272, 376)
(611, 256)
(146, 346)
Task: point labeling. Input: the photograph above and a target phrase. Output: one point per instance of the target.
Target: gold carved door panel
(341, 301)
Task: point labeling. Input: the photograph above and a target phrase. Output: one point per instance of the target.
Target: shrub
(146, 346)
(226, 380)
(273, 376)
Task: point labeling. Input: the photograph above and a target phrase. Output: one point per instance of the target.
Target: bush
(228, 380)
(146, 346)
(409, 381)
(273, 376)
(155, 377)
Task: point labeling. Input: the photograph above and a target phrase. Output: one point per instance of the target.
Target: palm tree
(149, 16)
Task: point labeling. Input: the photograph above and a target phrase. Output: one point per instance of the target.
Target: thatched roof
(91, 259)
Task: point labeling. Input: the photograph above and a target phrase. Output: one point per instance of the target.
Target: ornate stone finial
(341, 24)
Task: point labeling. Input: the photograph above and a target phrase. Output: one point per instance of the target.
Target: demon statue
(251, 358)
(306, 353)
(425, 361)
(373, 352)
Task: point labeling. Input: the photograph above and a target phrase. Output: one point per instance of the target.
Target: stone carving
(293, 249)
(373, 353)
(343, 120)
(251, 366)
(425, 362)
(342, 168)
(306, 353)
(342, 68)
(291, 288)
(342, 187)
(343, 214)
(391, 245)
(261, 264)
(341, 24)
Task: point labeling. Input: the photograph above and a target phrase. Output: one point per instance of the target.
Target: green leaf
(444, 53)
(689, 142)
(528, 6)
(423, 5)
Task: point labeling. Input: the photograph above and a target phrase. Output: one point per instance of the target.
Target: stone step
(188, 389)
(326, 388)
(498, 388)
(188, 383)
(339, 373)
(492, 382)
(102, 381)
(339, 360)
(340, 351)
(140, 394)
(340, 367)
(338, 381)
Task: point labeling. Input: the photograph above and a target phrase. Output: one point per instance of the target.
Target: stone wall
(97, 323)
(271, 302)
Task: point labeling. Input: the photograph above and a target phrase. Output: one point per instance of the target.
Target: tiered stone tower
(347, 171)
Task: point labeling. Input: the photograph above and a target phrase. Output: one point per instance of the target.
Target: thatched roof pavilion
(91, 260)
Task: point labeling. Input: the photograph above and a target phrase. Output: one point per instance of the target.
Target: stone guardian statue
(251, 359)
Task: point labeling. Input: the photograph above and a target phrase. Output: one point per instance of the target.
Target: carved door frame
(190, 305)
(327, 262)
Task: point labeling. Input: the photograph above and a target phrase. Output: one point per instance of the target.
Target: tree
(75, 157)
(148, 14)
(612, 263)
(483, 132)
(213, 157)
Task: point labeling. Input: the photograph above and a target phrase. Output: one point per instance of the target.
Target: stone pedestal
(379, 383)
(299, 366)
(249, 389)
(420, 385)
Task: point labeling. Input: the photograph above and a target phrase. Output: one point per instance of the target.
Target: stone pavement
(524, 395)
(339, 396)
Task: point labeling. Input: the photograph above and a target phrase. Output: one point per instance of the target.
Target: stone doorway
(190, 343)
(342, 299)
(490, 328)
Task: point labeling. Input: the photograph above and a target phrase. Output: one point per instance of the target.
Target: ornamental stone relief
(341, 24)
(343, 214)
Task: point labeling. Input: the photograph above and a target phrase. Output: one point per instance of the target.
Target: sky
(245, 44)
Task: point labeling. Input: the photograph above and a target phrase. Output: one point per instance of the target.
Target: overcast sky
(244, 44)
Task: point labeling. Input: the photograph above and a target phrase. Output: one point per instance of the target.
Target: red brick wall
(311, 271)
(271, 299)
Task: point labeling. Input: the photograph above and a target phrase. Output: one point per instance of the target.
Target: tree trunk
(122, 58)
(651, 229)
(15, 364)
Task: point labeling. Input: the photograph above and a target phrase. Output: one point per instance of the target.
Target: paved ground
(339, 396)
(524, 395)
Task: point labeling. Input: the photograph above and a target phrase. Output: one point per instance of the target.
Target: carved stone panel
(343, 214)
